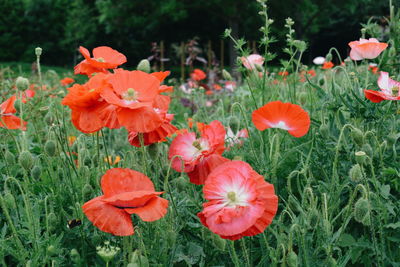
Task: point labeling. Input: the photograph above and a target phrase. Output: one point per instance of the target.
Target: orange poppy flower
(110, 160)
(366, 48)
(71, 140)
(327, 65)
(66, 81)
(283, 73)
(7, 119)
(198, 75)
(286, 116)
(240, 202)
(125, 192)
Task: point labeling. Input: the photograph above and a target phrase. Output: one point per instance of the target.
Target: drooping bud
(292, 259)
(226, 75)
(50, 148)
(358, 136)
(36, 172)
(362, 211)
(22, 83)
(324, 130)
(9, 200)
(10, 158)
(303, 97)
(356, 174)
(25, 159)
(87, 191)
(144, 65)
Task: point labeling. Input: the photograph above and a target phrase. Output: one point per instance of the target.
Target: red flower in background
(198, 156)
(104, 58)
(198, 75)
(240, 202)
(7, 119)
(66, 81)
(327, 65)
(125, 192)
(286, 116)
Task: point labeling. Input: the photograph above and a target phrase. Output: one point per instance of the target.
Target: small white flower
(319, 60)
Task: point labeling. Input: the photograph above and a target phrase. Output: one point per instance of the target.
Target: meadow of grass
(338, 185)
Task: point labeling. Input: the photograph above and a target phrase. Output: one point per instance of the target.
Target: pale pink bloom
(230, 86)
(232, 139)
(366, 48)
(251, 62)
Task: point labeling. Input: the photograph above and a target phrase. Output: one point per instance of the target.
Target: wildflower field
(264, 165)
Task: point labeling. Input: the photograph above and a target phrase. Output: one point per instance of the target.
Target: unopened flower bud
(226, 75)
(324, 130)
(9, 200)
(358, 136)
(51, 250)
(139, 260)
(10, 158)
(50, 148)
(22, 83)
(87, 191)
(25, 159)
(356, 174)
(38, 51)
(292, 259)
(303, 97)
(36, 172)
(361, 211)
(75, 256)
(144, 65)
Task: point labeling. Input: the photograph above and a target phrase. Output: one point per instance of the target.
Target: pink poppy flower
(390, 89)
(235, 139)
(240, 202)
(366, 48)
(252, 62)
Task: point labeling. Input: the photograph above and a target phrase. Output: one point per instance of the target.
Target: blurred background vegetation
(60, 26)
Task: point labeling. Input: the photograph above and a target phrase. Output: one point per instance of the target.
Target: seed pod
(9, 157)
(25, 160)
(361, 211)
(356, 174)
(144, 65)
(361, 157)
(50, 148)
(292, 259)
(36, 172)
(38, 51)
(358, 136)
(22, 83)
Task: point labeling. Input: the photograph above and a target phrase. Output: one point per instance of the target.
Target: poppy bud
(356, 174)
(361, 211)
(53, 221)
(328, 57)
(38, 51)
(303, 97)
(76, 258)
(258, 67)
(332, 262)
(28, 263)
(392, 51)
(9, 157)
(51, 250)
(358, 136)
(368, 150)
(22, 83)
(36, 172)
(226, 75)
(50, 148)
(324, 130)
(87, 191)
(25, 160)
(138, 260)
(291, 259)
(313, 218)
(219, 242)
(9, 200)
(361, 157)
(144, 65)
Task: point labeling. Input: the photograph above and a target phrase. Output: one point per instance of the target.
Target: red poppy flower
(285, 116)
(390, 89)
(198, 75)
(134, 92)
(7, 119)
(104, 57)
(161, 75)
(327, 65)
(283, 73)
(66, 81)
(240, 202)
(194, 151)
(366, 48)
(126, 192)
(27, 94)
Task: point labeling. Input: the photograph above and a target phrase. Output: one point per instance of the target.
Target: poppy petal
(155, 209)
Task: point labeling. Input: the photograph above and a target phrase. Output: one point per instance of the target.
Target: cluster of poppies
(121, 98)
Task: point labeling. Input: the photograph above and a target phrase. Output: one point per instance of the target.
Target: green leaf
(393, 225)
(346, 240)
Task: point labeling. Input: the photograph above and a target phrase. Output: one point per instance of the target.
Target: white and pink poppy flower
(366, 48)
(252, 62)
(390, 89)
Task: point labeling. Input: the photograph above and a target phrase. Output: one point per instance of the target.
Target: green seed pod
(226, 75)
(368, 150)
(219, 242)
(362, 211)
(361, 157)
(50, 148)
(292, 259)
(356, 174)
(144, 65)
(36, 172)
(22, 83)
(303, 97)
(87, 191)
(38, 51)
(9, 200)
(9, 157)
(358, 136)
(324, 130)
(25, 160)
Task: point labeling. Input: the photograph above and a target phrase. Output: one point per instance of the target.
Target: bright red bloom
(390, 89)
(366, 48)
(27, 94)
(66, 81)
(286, 116)
(7, 119)
(161, 75)
(283, 73)
(104, 58)
(126, 192)
(240, 202)
(194, 153)
(327, 65)
(312, 73)
(198, 75)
